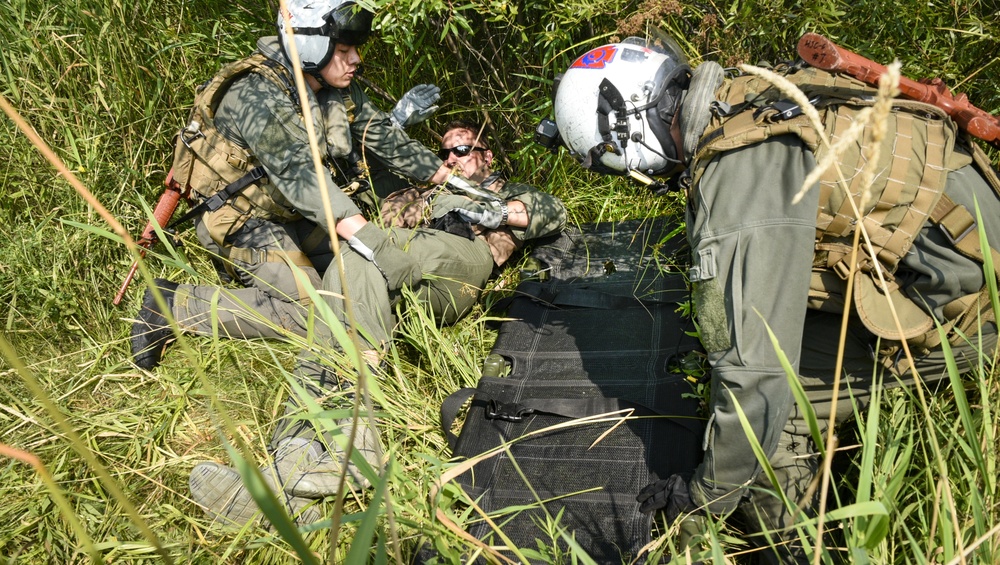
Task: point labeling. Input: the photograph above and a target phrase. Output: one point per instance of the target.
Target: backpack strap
(216, 201)
(280, 76)
(959, 226)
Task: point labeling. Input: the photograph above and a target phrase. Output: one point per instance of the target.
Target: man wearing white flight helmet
(246, 157)
(245, 154)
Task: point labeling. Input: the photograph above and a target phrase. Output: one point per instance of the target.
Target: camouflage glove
(415, 106)
(396, 265)
(671, 494)
(490, 215)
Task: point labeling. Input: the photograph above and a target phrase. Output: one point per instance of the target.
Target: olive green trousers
(274, 303)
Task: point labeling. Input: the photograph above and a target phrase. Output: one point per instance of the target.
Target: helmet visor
(661, 42)
(349, 24)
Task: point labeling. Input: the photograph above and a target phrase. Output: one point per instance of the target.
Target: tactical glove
(490, 215)
(397, 266)
(415, 105)
(672, 495)
(444, 204)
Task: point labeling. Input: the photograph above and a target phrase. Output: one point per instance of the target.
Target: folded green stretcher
(600, 332)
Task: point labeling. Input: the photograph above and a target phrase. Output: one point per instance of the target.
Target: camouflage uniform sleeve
(260, 116)
(546, 213)
(373, 130)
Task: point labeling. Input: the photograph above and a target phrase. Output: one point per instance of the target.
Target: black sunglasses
(458, 150)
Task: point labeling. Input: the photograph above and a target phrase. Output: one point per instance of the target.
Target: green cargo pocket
(710, 304)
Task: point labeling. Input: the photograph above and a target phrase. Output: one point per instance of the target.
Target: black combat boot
(151, 333)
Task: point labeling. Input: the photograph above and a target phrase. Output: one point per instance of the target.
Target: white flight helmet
(615, 104)
(318, 25)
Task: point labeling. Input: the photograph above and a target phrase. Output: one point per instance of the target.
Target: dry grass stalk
(871, 151)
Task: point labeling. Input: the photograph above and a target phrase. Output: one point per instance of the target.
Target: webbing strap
(954, 220)
(279, 75)
(734, 128)
(930, 186)
(253, 256)
(909, 184)
(609, 100)
(958, 225)
(216, 201)
(582, 297)
(978, 311)
(565, 407)
(842, 221)
(571, 408)
(893, 244)
(349, 106)
(316, 238)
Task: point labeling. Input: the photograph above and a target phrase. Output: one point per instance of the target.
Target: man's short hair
(474, 127)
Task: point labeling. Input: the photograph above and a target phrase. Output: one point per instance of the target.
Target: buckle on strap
(947, 228)
(954, 220)
(506, 411)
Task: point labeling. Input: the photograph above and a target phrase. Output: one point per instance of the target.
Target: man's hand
(396, 265)
(443, 204)
(672, 495)
(490, 215)
(415, 105)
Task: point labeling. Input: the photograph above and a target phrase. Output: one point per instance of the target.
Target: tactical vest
(207, 161)
(907, 192)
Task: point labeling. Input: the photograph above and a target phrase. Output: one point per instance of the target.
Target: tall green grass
(100, 451)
